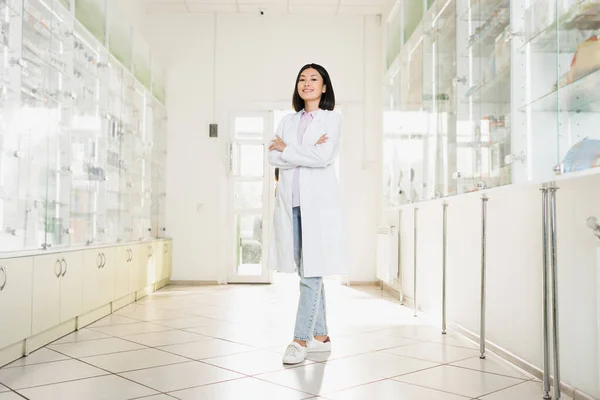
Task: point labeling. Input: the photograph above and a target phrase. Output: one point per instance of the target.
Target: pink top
(305, 119)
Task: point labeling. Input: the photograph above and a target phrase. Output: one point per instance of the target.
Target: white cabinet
(56, 289)
(122, 265)
(98, 286)
(158, 260)
(147, 264)
(167, 259)
(70, 285)
(47, 270)
(16, 276)
(136, 263)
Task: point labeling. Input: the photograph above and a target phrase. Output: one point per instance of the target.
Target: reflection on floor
(226, 342)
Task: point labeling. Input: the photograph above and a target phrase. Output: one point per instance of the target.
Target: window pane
(248, 194)
(249, 234)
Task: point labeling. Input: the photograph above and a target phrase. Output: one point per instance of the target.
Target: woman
(308, 235)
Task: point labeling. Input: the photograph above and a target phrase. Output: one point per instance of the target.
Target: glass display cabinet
(485, 93)
(82, 141)
(484, 102)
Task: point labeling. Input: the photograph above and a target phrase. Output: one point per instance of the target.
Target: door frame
(267, 200)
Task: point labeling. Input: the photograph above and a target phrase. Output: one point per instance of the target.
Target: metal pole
(415, 261)
(399, 274)
(546, 315)
(484, 201)
(553, 266)
(444, 244)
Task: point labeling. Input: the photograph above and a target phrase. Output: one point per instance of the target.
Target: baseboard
(161, 284)
(93, 316)
(41, 339)
(391, 290)
(140, 294)
(531, 369)
(364, 283)
(194, 283)
(123, 301)
(12, 353)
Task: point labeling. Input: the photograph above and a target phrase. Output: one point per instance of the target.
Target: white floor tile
(180, 376)
(131, 329)
(252, 363)
(247, 389)
(338, 350)
(187, 322)
(45, 374)
(375, 341)
(262, 339)
(457, 341)
(81, 336)
(95, 347)
(392, 390)
(524, 391)
(10, 396)
(157, 397)
(384, 365)
(134, 360)
(493, 364)
(460, 381)
(40, 356)
(218, 330)
(144, 313)
(109, 387)
(320, 379)
(165, 338)
(207, 349)
(113, 319)
(4, 389)
(418, 332)
(435, 352)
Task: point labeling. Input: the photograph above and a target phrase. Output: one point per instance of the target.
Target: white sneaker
(294, 354)
(315, 346)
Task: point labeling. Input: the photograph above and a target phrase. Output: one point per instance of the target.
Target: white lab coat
(323, 233)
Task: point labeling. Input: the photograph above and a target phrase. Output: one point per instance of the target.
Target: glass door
(252, 181)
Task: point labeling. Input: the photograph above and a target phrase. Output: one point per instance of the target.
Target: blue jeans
(311, 318)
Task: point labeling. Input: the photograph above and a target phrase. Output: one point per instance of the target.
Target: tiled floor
(226, 342)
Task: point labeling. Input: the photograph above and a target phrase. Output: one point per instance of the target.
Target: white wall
(252, 62)
(514, 271)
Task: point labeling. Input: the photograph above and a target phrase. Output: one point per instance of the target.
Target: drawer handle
(59, 265)
(103, 260)
(66, 266)
(99, 260)
(5, 279)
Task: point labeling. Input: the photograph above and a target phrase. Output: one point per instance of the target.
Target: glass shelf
(582, 95)
(483, 42)
(496, 90)
(573, 27)
(9, 7)
(483, 10)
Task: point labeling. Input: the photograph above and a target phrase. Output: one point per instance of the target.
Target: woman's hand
(322, 140)
(277, 144)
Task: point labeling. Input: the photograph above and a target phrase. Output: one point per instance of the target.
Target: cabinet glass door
(59, 141)
(12, 167)
(484, 138)
(86, 130)
(111, 77)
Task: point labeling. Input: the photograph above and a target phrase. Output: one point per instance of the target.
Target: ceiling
(269, 7)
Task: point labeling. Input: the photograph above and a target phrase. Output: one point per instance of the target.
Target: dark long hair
(327, 99)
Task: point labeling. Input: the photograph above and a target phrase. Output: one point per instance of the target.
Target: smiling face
(310, 85)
